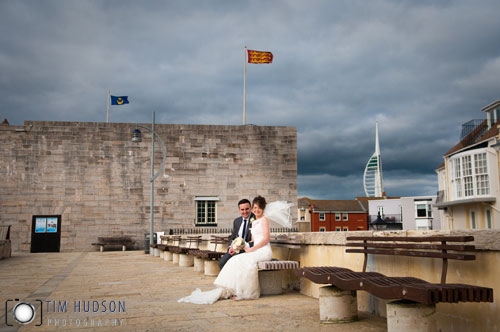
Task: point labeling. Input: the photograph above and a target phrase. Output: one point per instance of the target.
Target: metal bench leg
(337, 305)
(411, 316)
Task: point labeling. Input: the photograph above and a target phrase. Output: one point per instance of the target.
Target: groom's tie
(244, 233)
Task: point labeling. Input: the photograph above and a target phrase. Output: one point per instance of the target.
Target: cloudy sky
(421, 68)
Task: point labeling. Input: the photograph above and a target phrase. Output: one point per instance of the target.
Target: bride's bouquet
(238, 244)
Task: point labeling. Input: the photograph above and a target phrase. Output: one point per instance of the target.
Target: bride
(239, 277)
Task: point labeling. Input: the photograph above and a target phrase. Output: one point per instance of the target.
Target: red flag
(259, 57)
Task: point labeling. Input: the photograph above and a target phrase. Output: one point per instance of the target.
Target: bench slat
(278, 265)
(413, 246)
(413, 253)
(412, 238)
(407, 288)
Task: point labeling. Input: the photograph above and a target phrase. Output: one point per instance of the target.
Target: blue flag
(119, 100)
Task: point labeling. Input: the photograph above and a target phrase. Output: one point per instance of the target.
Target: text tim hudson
(86, 306)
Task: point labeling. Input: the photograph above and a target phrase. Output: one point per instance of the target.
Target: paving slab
(133, 291)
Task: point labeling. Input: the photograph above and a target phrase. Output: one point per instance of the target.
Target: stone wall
(98, 180)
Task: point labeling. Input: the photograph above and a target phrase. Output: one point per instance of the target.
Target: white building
(413, 212)
(469, 177)
(304, 214)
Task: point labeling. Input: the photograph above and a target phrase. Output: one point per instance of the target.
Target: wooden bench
(186, 258)
(163, 246)
(338, 302)
(271, 272)
(211, 258)
(217, 241)
(193, 244)
(5, 245)
(168, 241)
(173, 247)
(271, 276)
(123, 241)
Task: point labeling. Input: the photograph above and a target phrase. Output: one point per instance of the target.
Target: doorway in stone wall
(46, 233)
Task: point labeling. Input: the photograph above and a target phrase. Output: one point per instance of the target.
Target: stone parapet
(484, 239)
(328, 249)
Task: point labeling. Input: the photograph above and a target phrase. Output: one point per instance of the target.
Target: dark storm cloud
(421, 68)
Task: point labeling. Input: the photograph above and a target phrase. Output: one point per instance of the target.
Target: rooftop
(338, 205)
(149, 288)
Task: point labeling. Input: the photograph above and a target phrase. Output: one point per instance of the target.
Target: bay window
(469, 175)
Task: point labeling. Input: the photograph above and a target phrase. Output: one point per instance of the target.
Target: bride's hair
(260, 201)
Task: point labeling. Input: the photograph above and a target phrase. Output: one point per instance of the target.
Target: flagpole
(244, 86)
(107, 108)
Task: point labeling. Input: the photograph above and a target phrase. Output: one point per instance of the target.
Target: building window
(488, 218)
(322, 229)
(423, 209)
(493, 116)
(206, 211)
(322, 217)
(470, 175)
(473, 219)
(337, 216)
(380, 209)
(345, 216)
(467, 176)
(457, 177)
(346, 229)
(302, 218)
(481, 168)
(337, 229)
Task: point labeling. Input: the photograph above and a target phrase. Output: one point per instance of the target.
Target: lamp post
(137, 138)
(379, 224)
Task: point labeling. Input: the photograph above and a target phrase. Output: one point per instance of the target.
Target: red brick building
(338, 215)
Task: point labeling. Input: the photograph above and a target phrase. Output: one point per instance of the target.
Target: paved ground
(139, 293)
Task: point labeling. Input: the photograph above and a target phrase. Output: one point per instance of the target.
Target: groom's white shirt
(240, 232)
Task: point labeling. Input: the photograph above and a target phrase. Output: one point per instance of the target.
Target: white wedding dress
(239, 277)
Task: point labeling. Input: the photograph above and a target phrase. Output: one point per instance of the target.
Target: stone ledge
(484, 239)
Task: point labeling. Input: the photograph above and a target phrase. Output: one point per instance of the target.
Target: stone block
(337, 306)
(410, 316)
(270, 282)
(199, 264)
(212, 268)
(186, 260)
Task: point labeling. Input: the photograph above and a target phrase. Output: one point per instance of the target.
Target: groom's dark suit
(236, 228)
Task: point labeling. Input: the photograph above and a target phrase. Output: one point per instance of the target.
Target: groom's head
(244, 207)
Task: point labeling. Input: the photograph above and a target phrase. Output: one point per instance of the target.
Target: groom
(241, 228)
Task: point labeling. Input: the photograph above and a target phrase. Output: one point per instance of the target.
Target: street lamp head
(379, 224)
(136, 136)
